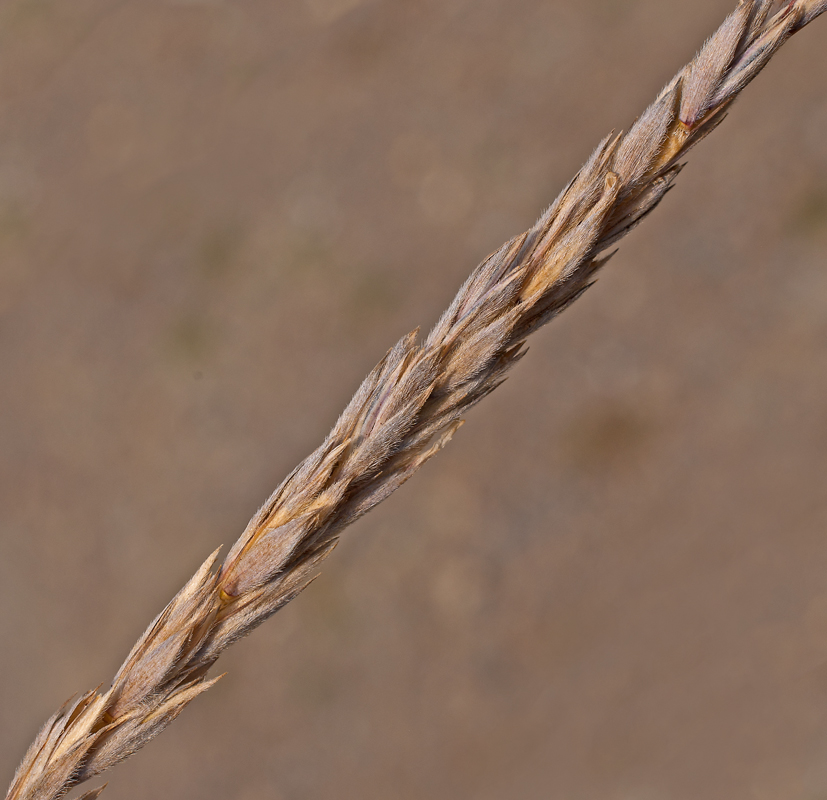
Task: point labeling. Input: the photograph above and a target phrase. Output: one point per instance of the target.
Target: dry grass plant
(406, 410)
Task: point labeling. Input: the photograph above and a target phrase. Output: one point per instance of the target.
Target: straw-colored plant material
(406, 410)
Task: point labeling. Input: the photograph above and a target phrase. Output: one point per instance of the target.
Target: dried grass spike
(406, 410)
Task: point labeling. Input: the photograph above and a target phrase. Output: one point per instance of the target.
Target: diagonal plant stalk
(406, 410)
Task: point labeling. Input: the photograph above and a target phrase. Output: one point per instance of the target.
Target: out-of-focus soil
(216, 216)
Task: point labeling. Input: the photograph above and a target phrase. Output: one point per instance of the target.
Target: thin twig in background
(406, 410)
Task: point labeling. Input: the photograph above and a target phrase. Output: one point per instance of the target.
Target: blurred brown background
(214, 219)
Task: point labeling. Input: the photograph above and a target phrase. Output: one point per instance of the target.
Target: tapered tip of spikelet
(94, 793)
